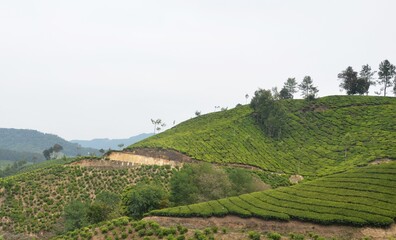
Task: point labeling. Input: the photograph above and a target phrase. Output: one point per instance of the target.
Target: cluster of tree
(268, 112)
(79, 214)
(354, 83)
(142, 198)
(49, 153)
(204, 182)
(193, 183)
(11, 169)
(290, 87)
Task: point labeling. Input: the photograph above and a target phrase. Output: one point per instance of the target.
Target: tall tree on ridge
(291, 86)
(350, 81)
(307, 88)
(386, 72)
(367, 76)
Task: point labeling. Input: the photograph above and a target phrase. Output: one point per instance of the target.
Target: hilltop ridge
(16, 143)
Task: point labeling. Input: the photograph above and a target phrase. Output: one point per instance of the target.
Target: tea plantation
(363, 196)
(328, 135)
(33, 202)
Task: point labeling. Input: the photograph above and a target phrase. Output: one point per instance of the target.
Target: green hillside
(363, 196)
(25, 144)
(33, 202)
(313, 142)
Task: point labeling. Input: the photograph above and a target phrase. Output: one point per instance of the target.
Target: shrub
(274, 236)
(143, 198)
(254, 235)
(294, 236)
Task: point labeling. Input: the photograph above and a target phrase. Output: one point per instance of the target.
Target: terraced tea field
(360, 197)
(328, 135)
(33, 202)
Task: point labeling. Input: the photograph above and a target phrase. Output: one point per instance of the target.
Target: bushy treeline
(203, 182)
(79, 214)
(192, 184)
(359, 83)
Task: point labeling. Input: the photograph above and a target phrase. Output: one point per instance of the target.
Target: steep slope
(105, 143)
(364, 196)
(34, 142)
(321, 137)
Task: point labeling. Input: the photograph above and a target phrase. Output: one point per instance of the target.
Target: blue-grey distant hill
(105, 143)
(24, 144)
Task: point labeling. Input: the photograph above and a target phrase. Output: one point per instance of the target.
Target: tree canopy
(268, 112)
(353, 84)
(289, 89)
(367, 76)
(308, 90)
(386, 72)
(203, 182)
(143, 198)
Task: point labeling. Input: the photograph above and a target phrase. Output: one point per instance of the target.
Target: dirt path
(236, 224)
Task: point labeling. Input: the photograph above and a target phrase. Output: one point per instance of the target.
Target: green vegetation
(269, 113)
(312, 141)
(79, 214)
(5, 163)
(126, 228)
(10, 167)
(34, 201)
(28, 145)
(204, 182)
(143, 198)
(363, 196)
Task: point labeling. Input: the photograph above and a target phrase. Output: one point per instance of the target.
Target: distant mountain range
(105, 143)
(24, 144)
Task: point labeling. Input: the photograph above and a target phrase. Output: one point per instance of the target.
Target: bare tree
(158, 124)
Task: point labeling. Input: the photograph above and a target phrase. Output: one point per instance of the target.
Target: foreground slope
(363, 196)
(33, 202)
(324, 136)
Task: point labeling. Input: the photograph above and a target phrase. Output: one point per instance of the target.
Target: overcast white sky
(89, 69)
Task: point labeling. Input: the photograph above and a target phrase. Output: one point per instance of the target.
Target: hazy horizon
(100, 69)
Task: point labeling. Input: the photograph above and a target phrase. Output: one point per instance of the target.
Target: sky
(103, 69)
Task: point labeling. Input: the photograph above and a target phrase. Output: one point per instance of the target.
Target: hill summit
(323, 136)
